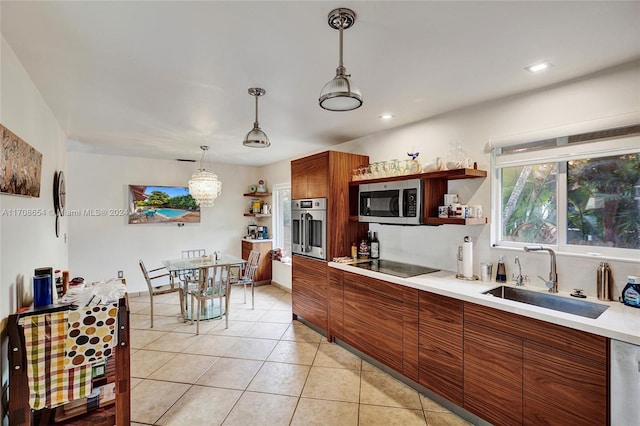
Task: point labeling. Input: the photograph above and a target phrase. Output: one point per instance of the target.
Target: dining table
(186, 267)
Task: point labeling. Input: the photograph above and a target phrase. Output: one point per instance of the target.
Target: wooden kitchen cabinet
(309, 290)
(327, 175)
(440, 347)
(563, 372)
(372, 313)
(335, 305)
(493, 375)
(309, 177)
(561, 388)
(263, 274)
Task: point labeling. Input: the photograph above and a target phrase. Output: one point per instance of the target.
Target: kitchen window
(282, 218)
(580, 194)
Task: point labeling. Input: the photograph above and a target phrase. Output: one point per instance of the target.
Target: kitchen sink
(549, 301)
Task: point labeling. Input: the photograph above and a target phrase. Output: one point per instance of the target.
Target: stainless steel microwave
(397, 202)
(309, 227)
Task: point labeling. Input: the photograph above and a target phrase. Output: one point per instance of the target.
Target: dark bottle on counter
(501, 274)
(375, 247)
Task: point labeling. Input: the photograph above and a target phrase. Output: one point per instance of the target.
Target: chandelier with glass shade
(204, 185)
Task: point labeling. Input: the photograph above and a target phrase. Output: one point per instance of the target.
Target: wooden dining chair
(213, 283)
(160, 284)
(247, 276)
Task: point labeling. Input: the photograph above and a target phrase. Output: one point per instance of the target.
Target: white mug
(475, 210)
(467, 163)
(450, 199)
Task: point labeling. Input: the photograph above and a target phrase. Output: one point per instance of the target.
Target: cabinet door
(493, 375)
(309, 176)
(563, 389)
(410, 332)
(373, 318)
(336, 304)
(309, 290)
(441, 345)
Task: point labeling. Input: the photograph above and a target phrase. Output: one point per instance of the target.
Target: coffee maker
(252, 231)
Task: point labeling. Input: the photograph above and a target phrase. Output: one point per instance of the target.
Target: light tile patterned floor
(263, 369)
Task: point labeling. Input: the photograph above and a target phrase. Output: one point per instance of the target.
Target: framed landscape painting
(162, 204)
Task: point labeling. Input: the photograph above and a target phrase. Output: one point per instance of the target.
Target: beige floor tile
(152, 398)
(262, 409)
(267, 330)
(246, 314)
(211, 345)
(379, 388)
(336, 384)
(173, 342)
(294, 352)
(230, 373)
(145, 362)
(236, 328)
(141, 338)
(431, 405)
(280, 316)
(137, 305)
(160, 323)
(184, 368)
(319, 412)
(279, 378)
(444, 419)
(332, 355)
(299, 332)
(372, 415)
(248, 348)
(135, 382)
(162, 309)
(201, 406)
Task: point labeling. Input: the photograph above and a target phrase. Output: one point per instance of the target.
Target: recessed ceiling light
(539, 66)
(386, 116)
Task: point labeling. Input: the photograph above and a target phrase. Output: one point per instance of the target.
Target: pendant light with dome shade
(256, 138)
(340, 94)
(204, 185)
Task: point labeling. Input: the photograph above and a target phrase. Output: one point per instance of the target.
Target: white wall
(99, 246)
(27, 242)
(612, 92)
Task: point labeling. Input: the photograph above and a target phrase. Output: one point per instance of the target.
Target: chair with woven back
(160, 284)
(213, 283)
(247, 276)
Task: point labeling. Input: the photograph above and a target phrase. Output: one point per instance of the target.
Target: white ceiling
(160, 78)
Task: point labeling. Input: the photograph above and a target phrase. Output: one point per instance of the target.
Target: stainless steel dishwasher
(625, 383)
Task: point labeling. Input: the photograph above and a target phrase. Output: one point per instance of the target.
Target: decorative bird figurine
(413, 155)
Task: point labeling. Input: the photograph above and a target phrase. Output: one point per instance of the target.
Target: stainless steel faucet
(519, 279)
(552, 283)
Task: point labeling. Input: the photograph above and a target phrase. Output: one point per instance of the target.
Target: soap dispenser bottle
(501, 274)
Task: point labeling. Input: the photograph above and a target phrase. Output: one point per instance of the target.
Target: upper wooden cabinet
(309, 177)
(327, 175)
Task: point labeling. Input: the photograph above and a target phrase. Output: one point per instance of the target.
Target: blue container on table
(42, 295)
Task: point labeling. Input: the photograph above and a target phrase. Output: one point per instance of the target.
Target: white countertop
(255, 240)
(619, 321)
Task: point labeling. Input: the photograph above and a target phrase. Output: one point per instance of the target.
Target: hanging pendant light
(340, 94)
(256, 138)
(204, 185)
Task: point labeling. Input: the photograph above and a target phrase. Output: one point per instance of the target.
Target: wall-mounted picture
(162, 204)
(20, 165)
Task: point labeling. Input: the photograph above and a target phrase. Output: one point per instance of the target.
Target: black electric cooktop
(397, 269)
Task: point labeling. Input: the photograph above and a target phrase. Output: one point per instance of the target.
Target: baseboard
(280, 286)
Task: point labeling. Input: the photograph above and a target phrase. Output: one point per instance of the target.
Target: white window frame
(278, 231)
(561, 153)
